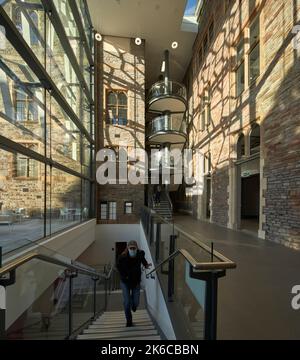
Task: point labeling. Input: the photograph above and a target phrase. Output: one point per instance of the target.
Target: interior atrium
(174, 124)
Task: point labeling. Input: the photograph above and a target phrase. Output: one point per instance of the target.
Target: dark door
(250, 197)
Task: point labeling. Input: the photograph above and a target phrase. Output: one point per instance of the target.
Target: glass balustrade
(167, 123)
(171, 88)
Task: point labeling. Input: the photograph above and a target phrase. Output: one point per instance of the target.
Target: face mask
(132, 253)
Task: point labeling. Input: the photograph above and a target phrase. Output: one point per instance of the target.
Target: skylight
(191, 6)
(189, 21)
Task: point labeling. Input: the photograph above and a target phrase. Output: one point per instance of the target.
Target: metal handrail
(34, 255)
(223, 265)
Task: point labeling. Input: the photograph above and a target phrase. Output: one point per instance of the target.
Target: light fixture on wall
(163, 67)
(98, 37)
(138, 41)
(174, 45)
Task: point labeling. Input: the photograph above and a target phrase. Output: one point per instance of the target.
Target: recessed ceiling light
(138, 41)
(174, 45)
(98, 37)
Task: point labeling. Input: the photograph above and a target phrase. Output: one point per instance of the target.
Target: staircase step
(115, 335)
(121, 322)
(108, 325)
(118, 329)
(113, 317)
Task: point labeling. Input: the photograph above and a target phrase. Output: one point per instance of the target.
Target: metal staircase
(166, 130)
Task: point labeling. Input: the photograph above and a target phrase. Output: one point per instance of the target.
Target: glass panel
(22, 200)
(65, 136)
(254, 32)
(241, 146)
(22, 116)
(85, 113)
(86, 158)
(255, 140)
(72, 33)
(122, 116)
(61, 70)
(47, 316)
(86, 199)
(65, 200)
(240, 79)
(188, 301)
(240, 51)
(28, 18)
(103, 211)
(112, 99)
(254, 64)
(122, 99)
(85, 16)
(82, 300)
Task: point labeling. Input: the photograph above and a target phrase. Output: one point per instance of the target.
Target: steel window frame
(32, 61)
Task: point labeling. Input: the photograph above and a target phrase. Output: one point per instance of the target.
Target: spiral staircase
(166, 130)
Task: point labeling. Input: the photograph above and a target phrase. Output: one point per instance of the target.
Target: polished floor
(255, 298)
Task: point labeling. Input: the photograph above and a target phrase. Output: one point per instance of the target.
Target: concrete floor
(255, 298)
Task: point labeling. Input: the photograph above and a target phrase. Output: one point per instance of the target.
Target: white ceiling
(157, 21)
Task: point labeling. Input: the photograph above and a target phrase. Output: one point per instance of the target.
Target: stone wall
(121, 66)
(272, 101)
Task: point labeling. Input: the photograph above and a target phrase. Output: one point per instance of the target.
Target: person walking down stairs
(129, 266)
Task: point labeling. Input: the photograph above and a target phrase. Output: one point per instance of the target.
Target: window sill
(22, 178)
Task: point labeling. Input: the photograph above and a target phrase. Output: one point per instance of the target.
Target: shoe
(133, 309)
(129, 323)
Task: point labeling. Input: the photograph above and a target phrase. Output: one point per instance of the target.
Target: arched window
(240, 147)
(117, 107)
(255, 140)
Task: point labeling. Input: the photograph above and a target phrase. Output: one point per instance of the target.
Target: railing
(171, 88)
(188, 271)
(167, 123)
(76, 296)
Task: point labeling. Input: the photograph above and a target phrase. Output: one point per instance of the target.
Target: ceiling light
(174, 45)
(138, 41)
(98, 37)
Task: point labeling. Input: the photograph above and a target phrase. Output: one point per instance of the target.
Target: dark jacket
(130, 268)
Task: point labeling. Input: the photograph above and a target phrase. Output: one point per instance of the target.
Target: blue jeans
(131, 299)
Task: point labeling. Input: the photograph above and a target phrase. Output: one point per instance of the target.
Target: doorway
(250, 203)
(208, 198)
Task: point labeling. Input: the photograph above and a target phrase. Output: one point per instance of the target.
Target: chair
(77, 214)
(63, 214)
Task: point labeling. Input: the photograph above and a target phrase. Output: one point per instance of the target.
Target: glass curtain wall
(46, 144)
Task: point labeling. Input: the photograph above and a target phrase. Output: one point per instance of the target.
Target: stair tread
(116, 325)
(118, 329)
(112, 335)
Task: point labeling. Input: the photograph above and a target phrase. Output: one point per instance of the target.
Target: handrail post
(2, 305)
(70, 306)
(157, 242)
(71, 275)
(211, 302)
(105, 291)
(171, 269)
(95, 296)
